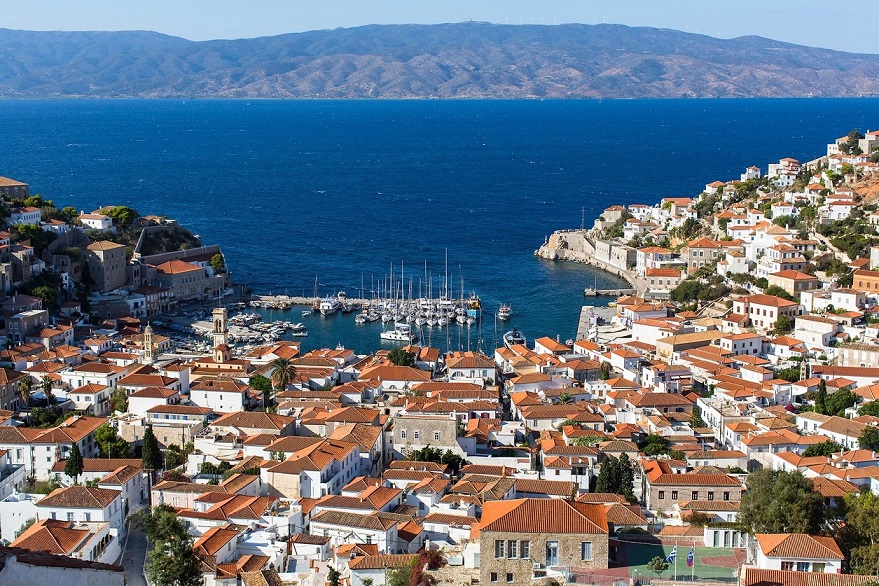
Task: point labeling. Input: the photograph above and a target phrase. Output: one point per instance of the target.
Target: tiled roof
(798, 545)
(59, 537)
(377, 562)
(80, 497)
(543, 516)
(752, 576)
(215, 538)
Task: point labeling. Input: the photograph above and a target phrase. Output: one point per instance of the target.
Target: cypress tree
(151, 455)
(73, 466)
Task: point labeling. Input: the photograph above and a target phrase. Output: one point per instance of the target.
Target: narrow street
(134, 556)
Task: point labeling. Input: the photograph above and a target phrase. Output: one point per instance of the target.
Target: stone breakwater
(577, 246)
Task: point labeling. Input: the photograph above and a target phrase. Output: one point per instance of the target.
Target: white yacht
(402, 332)
(504, 312)
(329, 305)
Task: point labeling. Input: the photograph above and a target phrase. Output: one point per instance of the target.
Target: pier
(589, 292)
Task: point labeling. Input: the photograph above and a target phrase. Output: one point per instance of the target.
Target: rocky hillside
(466, 60)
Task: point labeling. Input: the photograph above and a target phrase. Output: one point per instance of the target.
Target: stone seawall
(576, 246)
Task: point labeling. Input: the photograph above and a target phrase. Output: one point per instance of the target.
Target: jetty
(590, 292)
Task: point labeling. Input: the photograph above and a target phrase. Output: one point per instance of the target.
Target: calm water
(343, 190)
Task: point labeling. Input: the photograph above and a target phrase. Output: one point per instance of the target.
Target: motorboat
(514, 337)
(402, 332)
(504, 312)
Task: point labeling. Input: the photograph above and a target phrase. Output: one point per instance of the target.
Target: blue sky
(849, 26)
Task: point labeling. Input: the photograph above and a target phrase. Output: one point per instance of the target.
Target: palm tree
(283, 372)
(24, 390)
(46, 385)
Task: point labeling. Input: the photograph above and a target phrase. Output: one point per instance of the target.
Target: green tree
(870, 408)
(452, 460)
(605, 370)
(24, 390)
(400, 357)
(283, 372)
(860, 535)
(566, 398)
(109, 443)
(780, 502)
(123, 215)
(73, 465)
(657, 565)
(869, 439)
(654, 445)
(783, 325)
(627, 476)
(399, 576)
(609, 476)
(119, 400)
(39, 238)
(333, 576)
(821, 398)
(696, 417)
(777, 291)
(827, 448)
(46, 387)
(218, 263)
(171, 561)
(47, 294)
(260, 383)
(839, 401)
(69, 213)
(151, 455)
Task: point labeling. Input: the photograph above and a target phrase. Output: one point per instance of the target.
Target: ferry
(402, 332)
(514, 337)
(504, 312)
(329, 305)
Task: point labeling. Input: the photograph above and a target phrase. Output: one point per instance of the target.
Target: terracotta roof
(798, 545)
(59, 537)
(752, 576)
(543, 516)
(176, 267)
(377, 562)
(80, 497)
(215, 538)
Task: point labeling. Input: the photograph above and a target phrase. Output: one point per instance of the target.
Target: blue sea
(342, 191)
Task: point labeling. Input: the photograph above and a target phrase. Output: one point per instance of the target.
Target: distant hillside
(466, 60)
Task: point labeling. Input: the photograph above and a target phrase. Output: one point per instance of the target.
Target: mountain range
(463, 60)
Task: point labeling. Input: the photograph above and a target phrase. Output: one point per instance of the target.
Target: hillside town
(721, 424)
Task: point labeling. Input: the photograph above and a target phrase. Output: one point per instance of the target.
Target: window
(711, 496)
(52, 515)
(509, 577)
(494, 576)
(402, 434)
(369, 539)
(674, 495)
(695, 495)
(416, 434)
(586, 550)
(436, 436)
(511, 548)
(525, 548)
(726, 496)
(70, 516)
(552, 554)
(498, 548)
(802, 566)
(88, 517)
(661, 495)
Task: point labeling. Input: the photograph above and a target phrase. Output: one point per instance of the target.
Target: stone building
(526, 539)
(413, 432)
(107, 265)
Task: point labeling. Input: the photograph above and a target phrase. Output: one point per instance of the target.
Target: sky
(851, 26)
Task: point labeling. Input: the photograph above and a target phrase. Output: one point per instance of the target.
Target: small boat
(590, 292)
(402, 332)
(361, 318)
(514, 337)
(307, 312)
(504, 312)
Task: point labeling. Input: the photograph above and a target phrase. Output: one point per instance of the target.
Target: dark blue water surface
(344, 189)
